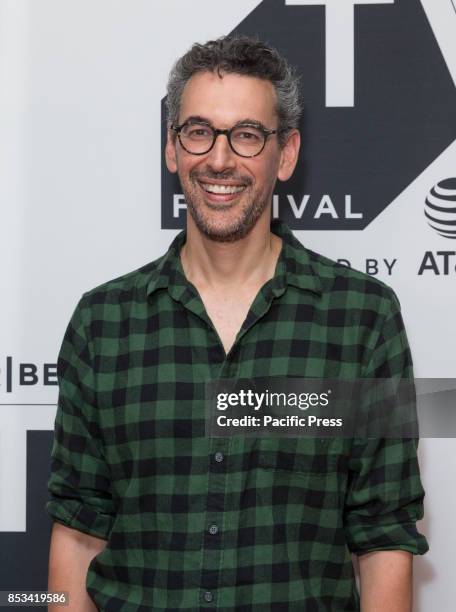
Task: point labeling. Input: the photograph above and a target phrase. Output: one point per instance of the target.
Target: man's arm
(384, 498)
(386, 581)
(81, 503)
(71, 552)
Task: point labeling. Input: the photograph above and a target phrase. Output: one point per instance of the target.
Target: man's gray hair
(243, 55)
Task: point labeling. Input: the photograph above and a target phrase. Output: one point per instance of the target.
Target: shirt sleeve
(384, 497)
(79, 484)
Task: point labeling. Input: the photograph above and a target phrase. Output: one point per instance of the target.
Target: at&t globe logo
(440, 208)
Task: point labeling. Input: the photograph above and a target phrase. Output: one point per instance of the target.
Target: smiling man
(152, 514)
(229, 152)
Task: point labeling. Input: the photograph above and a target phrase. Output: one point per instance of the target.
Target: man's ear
(170, 151)
(289, 155)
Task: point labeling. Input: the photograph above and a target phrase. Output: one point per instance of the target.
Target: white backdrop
(80, 88)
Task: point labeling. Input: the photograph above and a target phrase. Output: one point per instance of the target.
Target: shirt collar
(294, 266)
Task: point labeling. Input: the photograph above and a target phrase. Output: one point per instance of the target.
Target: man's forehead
(228, 98)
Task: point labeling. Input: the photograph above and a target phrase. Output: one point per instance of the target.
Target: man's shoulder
(128, 286)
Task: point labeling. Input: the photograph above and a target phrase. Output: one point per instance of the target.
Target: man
(152, 514)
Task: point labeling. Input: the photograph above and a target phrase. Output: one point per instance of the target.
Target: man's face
(247, 183)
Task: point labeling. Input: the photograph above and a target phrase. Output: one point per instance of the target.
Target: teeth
(222, 189)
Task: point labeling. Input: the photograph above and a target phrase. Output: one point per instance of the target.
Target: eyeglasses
(246, 140)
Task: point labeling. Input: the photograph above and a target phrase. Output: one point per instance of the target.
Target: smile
(222, 189)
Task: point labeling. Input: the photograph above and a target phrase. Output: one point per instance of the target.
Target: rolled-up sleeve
(384, 497)
(79, 484)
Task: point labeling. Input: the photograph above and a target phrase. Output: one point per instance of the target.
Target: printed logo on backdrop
(28, 394)
(440, 214)
(440, 208)
(380, 107)
(18, 375)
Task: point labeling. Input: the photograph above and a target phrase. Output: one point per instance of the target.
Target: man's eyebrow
(197, 119)
(247, 121)
(205, 120)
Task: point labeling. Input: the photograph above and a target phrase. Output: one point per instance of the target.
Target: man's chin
(223, 222)
(217, 234)
(222, 232)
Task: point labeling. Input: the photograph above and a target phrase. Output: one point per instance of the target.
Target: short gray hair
(243, 55)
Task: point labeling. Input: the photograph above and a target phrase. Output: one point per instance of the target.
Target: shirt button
(208, 596)
(218, 456)
(213, 529)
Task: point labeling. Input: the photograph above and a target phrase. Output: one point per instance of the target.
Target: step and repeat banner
(85, 196)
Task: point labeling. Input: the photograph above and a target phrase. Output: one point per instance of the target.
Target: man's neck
(248, 262)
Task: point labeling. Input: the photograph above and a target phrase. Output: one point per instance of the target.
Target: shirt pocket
(305, 459)
(298, 478)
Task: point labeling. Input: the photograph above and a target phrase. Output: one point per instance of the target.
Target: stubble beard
(232, 230)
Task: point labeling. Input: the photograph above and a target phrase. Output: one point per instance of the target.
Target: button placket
(213, 539)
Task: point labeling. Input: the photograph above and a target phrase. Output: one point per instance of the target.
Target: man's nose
(221, 155)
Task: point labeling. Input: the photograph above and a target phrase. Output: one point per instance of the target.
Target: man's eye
(198, 132)
(247, 135)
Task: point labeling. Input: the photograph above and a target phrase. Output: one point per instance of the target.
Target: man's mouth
(222, 188)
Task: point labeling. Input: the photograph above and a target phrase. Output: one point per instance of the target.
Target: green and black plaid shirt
(237, 523)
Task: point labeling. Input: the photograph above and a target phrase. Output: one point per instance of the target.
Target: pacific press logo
(440, 208)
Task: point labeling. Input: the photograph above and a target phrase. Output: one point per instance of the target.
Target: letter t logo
(340, 47)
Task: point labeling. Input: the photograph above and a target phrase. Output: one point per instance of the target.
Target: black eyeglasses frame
(216, 132)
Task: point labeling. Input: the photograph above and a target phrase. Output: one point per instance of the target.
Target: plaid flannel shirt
(236, 523)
